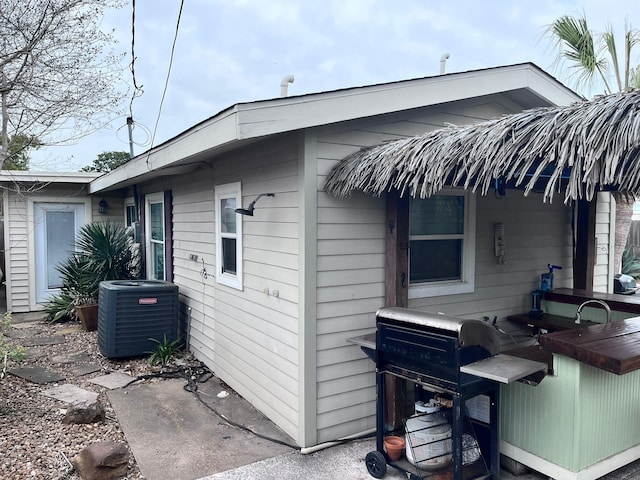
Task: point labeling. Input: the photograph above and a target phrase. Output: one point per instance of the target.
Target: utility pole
(130, 128)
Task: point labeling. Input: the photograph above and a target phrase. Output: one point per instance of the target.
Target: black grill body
(428, 350)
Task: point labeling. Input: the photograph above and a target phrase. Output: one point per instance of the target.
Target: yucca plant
(104, 251)
(108, 251)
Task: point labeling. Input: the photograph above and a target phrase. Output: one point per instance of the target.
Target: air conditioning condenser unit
(134, 313)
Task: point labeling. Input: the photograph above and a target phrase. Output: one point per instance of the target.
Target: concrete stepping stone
(71, 357)
(70, 330)
(22, 333)
(36, 352)
(71, 394)
(25, 325)
(113, 380)
(80, 370)
(46, 340)
(36, 374)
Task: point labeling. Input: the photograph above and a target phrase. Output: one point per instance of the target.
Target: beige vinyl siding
(114, 213)
(248, 337)
(536, 234)
(18, 256)
(17, 253)
(193, 234)
(605, 243)
(351, 259)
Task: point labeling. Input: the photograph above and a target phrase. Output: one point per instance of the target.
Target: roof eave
(246, 121)
(47, 177)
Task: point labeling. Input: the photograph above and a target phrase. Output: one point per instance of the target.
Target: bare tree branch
(59, 76)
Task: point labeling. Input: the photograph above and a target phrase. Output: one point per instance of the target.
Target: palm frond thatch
(583, 147)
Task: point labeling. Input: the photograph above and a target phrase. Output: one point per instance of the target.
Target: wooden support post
(397, 251)
(585, 252)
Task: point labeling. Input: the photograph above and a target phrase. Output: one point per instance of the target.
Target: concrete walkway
(159, 421)
(347, 462)
(174, 434)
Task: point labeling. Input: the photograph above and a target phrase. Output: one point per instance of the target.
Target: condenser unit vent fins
(132, 313)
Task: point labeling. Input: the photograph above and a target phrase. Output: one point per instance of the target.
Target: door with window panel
(55, 230)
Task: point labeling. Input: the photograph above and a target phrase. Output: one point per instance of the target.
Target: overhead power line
(166, 83)
(137, 89)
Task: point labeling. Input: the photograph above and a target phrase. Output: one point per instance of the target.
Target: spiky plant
(104, 251)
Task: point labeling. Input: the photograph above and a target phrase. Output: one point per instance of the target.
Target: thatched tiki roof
(575, 150)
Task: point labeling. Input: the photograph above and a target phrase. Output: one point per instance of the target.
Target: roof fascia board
(215, 132)
(538, 81)
(47, 177)
(259, 119)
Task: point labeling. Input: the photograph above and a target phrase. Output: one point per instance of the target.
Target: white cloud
(231, 51)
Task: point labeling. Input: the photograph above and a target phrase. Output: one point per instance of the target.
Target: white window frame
(223, 192)
(152, 199)
(129, 202)
(466, 284)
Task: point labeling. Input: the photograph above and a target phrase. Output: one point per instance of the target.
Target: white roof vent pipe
(284, 85)
(443, 62)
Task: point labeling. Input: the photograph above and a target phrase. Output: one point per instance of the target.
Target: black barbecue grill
(435, 353)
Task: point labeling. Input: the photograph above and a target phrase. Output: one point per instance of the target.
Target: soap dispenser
(546, 279)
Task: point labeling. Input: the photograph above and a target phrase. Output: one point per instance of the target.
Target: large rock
(102, 461)
(84, 413)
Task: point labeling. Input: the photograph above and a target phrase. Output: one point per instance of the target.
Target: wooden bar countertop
(552, 323)
(614, 347)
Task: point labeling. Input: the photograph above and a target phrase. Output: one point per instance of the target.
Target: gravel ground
(34, 443)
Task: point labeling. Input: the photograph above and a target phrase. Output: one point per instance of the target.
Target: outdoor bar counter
(583, 421)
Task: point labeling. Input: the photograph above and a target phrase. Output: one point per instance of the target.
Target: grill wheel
(376, 464)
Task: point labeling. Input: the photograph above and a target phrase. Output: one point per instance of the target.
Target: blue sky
(230, 51)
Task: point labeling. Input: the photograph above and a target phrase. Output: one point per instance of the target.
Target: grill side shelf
(504, 368)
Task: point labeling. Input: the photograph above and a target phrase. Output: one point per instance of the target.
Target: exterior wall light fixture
(102, 206)
(249, 210)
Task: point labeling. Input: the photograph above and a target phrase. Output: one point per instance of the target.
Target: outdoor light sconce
(249, 210)
(102, 206)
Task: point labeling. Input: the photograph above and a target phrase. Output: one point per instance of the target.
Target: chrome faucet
(599, 302)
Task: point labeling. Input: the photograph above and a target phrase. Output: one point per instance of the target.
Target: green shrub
(630, 263)
(165, 351)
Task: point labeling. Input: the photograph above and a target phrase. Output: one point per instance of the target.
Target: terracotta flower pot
(394, 446)
(88, 315)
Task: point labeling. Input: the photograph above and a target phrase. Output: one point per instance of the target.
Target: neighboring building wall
(351, 259)
(248, 338)
(18, 232)
(16, 252)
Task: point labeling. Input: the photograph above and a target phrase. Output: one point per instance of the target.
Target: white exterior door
(56, 227)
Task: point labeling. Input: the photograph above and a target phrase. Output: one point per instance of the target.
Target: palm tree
(594, 58)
